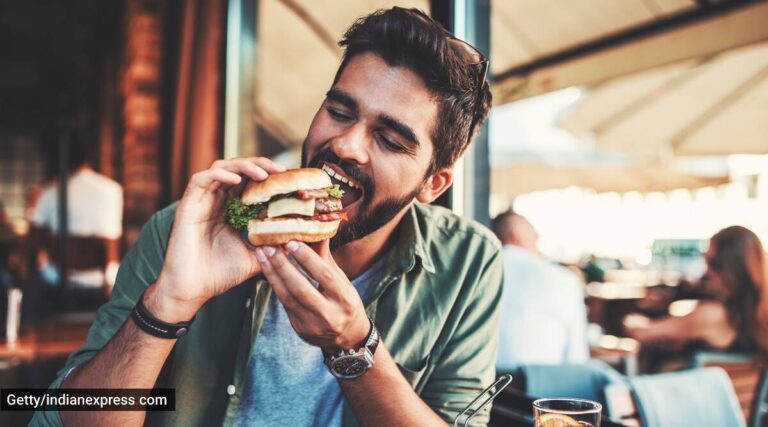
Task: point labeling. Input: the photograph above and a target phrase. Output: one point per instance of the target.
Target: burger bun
(277, 231)
(284, 183)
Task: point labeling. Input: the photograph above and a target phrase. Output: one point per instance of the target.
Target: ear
(435, 185)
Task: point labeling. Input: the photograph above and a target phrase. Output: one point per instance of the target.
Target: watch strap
(373, 338)
(371, 342)
(154, 326)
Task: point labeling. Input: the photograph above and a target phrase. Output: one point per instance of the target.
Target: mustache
(327, 156)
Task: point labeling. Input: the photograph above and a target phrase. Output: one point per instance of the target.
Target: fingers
(290, 285)
(268, 164)
(256, 168)
(229, 173)
(211, 180)
(208, 177)
(275, 281)
(322, 269)
(319, 320)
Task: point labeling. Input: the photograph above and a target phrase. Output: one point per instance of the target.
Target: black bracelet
(154, 326)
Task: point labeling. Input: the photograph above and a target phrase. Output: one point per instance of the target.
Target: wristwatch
(349, 364)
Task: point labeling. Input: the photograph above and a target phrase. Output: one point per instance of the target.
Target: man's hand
(331, 316)
(206, 256)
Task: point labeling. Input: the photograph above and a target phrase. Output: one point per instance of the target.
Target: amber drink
(566, 412)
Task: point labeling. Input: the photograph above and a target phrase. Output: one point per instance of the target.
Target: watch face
(350, 366)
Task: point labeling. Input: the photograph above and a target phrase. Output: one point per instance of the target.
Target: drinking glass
(566, 412)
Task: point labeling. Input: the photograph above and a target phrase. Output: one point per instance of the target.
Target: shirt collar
(410, 245)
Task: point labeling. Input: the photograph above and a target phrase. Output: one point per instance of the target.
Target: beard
(370, 217)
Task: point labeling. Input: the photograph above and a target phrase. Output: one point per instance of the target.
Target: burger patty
(326, 205)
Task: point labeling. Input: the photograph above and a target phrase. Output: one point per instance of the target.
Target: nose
(352, 144)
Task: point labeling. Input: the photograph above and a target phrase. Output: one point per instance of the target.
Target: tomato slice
(332, 216)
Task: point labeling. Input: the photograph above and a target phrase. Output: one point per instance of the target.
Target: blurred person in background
(94, 210)
(543, 315)
(734, 316)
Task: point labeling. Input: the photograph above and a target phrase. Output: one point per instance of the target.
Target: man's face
(373, 131)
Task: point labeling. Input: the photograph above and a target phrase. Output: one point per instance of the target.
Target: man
(406, 101)
(94, 210)
(543, 316)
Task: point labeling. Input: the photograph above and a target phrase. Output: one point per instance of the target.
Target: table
(56, 336)
(609, 302)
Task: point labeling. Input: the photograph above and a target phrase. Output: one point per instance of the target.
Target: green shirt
(436, 307)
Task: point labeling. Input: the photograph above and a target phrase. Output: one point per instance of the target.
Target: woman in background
(735, 318)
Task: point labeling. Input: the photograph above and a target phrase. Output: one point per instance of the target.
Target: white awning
(713, 106)
(516, 179)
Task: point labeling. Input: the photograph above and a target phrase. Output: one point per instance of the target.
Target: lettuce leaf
(335, 191)
(238, 214)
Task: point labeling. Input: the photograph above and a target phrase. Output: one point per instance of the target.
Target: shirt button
(230, 389)
(247, 303)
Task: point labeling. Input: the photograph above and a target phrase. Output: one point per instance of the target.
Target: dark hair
(500, 223)
(77, 154)
(452, 70)
(739, 259)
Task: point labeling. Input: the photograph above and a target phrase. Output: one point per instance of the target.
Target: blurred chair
(705, 358)
(621, 405)
(697, 397)
(85, 254)
(759, 412)
(743, 370)
(585, 381)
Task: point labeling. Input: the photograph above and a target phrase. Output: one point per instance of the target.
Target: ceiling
(524, 31)
(542, 46)
(521, 178)
(715, 105)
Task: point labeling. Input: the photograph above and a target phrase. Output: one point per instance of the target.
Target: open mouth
(353, 191)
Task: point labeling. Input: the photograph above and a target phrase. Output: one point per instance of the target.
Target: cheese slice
(291, 206)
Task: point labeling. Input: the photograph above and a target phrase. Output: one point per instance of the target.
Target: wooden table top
(58, 336)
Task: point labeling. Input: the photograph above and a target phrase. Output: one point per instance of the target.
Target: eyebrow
(401, 128)
(405, 131)
(342, 98)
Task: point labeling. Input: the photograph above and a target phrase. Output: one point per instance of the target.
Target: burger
(299, 204)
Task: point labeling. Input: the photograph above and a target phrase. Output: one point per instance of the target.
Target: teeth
(338, 176)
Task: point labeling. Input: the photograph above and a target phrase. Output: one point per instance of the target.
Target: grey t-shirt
(288, 384)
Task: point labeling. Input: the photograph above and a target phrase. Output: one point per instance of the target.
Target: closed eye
(389, 144)
(338, 115)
